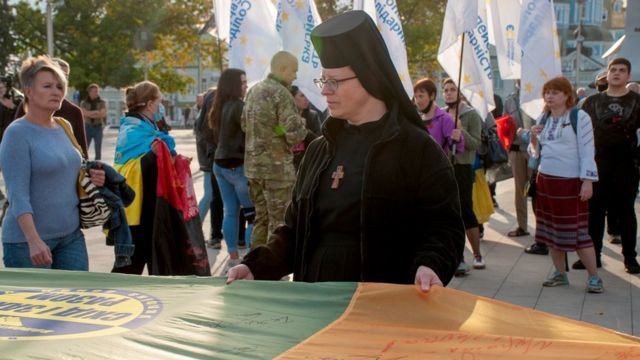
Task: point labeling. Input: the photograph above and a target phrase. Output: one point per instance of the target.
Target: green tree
(97, 38)
(329, 8)
(6, 36)
(422, 26)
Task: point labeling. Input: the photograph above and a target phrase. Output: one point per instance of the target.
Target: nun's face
(349, 98)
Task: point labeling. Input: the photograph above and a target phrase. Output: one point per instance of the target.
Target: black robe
(409, 210)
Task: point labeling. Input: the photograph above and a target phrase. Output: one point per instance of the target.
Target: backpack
(573, 118)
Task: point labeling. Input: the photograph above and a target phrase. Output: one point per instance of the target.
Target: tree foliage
(329, 8)
(101, 38)
(422, 26)
(6, 36)
(98, 39)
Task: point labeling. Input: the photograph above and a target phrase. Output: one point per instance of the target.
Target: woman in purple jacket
(438, 123)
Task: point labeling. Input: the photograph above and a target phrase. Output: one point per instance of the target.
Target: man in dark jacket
(615, 114)
(375, 199)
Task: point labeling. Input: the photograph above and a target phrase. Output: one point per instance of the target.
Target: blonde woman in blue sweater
(41, 167)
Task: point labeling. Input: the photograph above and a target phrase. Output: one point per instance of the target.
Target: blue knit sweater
(40, 168)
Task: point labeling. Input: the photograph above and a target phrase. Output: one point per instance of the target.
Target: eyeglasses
(331, 84)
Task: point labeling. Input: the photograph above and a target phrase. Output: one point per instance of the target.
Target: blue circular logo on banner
(51, 314)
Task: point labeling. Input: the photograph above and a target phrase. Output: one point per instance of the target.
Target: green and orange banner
(46, 314)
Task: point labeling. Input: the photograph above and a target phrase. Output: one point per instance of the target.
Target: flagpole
(453, 146)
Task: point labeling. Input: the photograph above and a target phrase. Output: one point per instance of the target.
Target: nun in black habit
(376, 199)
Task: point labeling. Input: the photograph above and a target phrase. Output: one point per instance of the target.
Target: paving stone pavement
(511, 275)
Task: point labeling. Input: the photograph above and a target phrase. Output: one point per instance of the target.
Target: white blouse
(566, 153)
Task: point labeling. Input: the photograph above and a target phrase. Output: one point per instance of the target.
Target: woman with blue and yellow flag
(159, 215)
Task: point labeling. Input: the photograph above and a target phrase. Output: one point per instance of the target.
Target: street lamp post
(579, 40)
(199, 57)
(50, 28)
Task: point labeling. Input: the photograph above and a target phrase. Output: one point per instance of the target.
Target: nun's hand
(426, 278)
(239, 272)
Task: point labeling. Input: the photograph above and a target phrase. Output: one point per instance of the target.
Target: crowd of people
(382, 188)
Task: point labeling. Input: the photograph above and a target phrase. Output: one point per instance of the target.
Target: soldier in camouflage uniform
(272, 126)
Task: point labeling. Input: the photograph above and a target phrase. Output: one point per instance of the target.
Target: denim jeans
(94, 132)
(69, 253)
(234, 188)
(205, 203)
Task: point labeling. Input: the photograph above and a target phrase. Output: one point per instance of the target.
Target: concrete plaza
(511, 275)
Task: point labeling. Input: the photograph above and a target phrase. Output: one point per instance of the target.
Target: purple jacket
(440, 130)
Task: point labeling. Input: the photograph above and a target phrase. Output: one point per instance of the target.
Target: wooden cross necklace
(337, 176)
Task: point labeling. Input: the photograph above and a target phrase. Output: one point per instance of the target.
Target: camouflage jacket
(272, 126)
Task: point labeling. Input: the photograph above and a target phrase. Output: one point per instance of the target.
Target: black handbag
(492, 151)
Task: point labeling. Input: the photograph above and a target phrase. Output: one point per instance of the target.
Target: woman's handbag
(492, 151)
(481, 198)
(94, 210)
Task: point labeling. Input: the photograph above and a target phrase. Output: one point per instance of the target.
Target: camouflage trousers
(270, 199)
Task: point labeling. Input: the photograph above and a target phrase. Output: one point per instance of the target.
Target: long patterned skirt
(562, 219)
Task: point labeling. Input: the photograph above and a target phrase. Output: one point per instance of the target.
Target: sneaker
(215, 243)
(537, 249)
(632, 266)
(578, 265)
(556, 279)
(478, 262)
(594, 285)
(615, 239)
(462, 269)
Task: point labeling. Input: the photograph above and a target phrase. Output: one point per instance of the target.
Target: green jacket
(471, 129)
(272, 126)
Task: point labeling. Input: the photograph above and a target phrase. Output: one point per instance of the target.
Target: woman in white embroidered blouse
(564, 184)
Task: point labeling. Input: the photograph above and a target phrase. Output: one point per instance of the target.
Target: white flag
(222, 9)
(295, 20)
(253, 39)
(459, 16)
(387, 17)
(476, 82)
(504, 20)
(538, 38)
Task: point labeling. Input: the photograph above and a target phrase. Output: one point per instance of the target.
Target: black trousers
(216, 210)
(615, 194)
(465, 177)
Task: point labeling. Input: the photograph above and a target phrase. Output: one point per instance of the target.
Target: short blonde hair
(33, 65)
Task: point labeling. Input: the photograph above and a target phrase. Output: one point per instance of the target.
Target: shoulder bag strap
(67, 130)
(573, 118)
